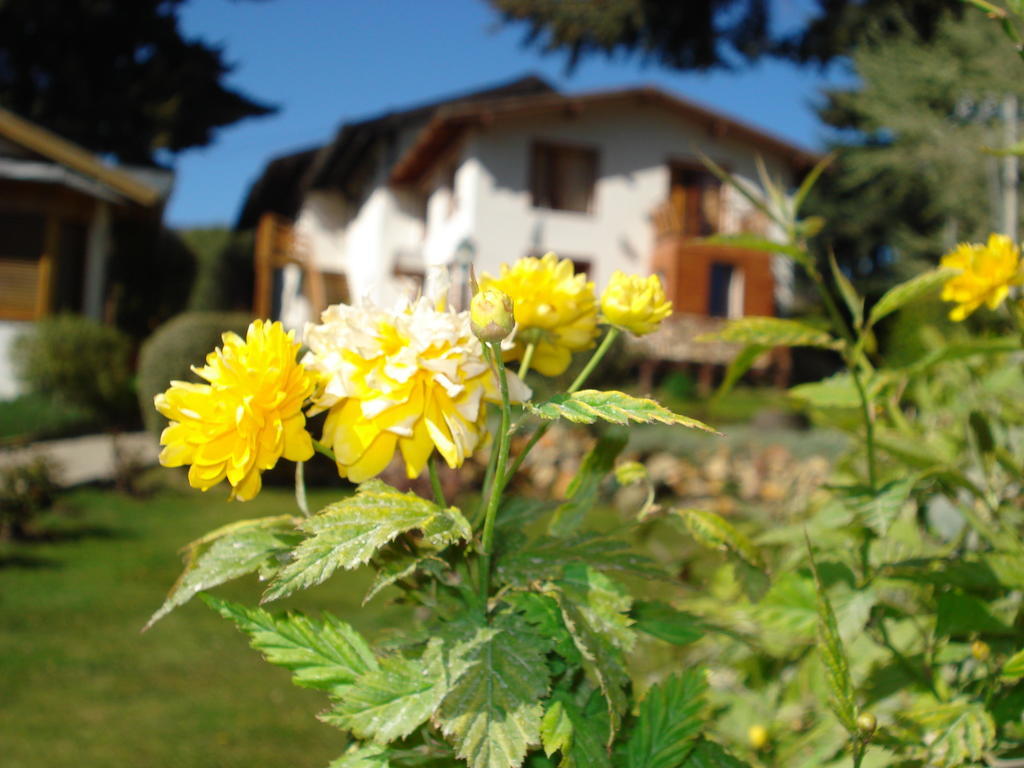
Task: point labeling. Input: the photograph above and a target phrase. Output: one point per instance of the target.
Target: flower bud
(757, 735)
(866, 724)
(980, 650)
(491, 315)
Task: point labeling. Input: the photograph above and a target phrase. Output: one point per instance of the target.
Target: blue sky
(324, 62)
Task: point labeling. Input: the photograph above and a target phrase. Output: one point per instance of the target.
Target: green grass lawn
(80, 686)
(33, 417)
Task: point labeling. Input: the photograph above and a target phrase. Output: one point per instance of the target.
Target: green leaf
(708, 754)
(740, 364)
(544, 614)
(960, 615)
(603, 602)
(838, 391)
(587, 728)
(363, 756)
(1013, 669)
(391, 701)
(853, 302)
(913, 289)
(399, 565)
(328, 655)
(492, 714)
(993, 346)
(666, 623)
(757, 243)
(713, 532)
(630, 472)
(879, 509)
(590, 405)
(555, 729)
(582, 492)
(231, 551)
(811, 179)
(773, 332)
(595, 615)
(517, 512)
(347, 534)
(955, 732)
(545, 558)
(668, 722)
(830, 646)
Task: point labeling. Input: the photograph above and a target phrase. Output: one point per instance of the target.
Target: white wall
(634, 149)
(9, 385)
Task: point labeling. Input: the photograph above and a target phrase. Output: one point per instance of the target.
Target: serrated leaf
(492, 714)
(879, 509)
(517, 512)
(589, 731)
(328, 655)
(544, 614)
(713, 532)
(347, 534)
(555, 729)
(668, 722)
(1013, 669)
(234, 550)
(960, 615)
(590, 405)
(739, 365)
(363, 756)
(853, 302)
(708, 754)
(900, 295)
(545, 557)
(773, 332)
(603, 602)
(830, 646)
(602, 659)
(582, 492)
(391, 701)
(955, 732)
(790, 609)
(398, 566)
(758, 243)
(664, 622)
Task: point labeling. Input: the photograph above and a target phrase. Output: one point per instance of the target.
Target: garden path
(89, 458)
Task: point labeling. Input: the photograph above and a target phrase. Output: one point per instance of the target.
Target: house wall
(634, 150)
(10, 387)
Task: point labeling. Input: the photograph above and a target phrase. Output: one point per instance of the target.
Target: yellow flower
(554, 309)
(987, 272)
(411, 381)
(635, 303)
(246, 418)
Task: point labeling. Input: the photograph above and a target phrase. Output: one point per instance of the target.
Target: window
(725, 296)
(563, 177)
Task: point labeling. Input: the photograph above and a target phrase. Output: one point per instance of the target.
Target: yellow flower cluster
(555, 310)
(986, 274)
(247, 417)
(411, 381)
(635, 303)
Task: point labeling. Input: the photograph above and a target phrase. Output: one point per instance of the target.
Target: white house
(601, 178)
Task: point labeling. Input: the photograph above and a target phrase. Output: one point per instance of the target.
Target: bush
(172, 350)
(79, 362)
(25, 491)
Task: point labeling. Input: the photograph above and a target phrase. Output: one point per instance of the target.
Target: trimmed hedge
(178, 344)
(79, 362)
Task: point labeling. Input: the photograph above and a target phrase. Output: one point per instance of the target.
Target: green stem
(524, 366)
(435, 483)
(300, 488)
(869, 427)
(322, 448)
(578, 382)
(497, 484)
